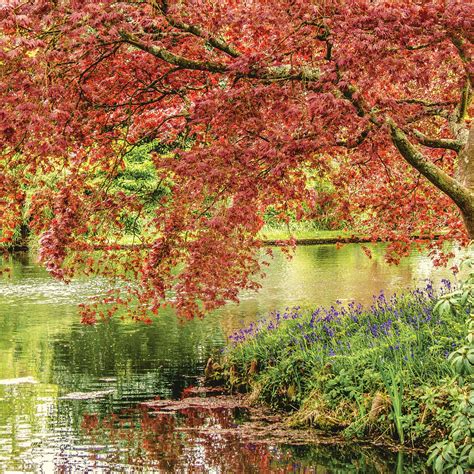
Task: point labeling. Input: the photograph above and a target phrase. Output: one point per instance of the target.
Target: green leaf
(465, 296)
(470, 459)
(439, 463)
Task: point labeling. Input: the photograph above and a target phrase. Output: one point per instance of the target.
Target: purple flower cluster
(265, 324)
(332, 327)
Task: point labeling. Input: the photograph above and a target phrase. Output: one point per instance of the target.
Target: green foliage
(139, 173)
(321, 217)
(394, 386)
(455, 453)
(379, 372)
(139, 178)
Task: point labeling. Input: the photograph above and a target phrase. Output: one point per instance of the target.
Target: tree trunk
(466, 179)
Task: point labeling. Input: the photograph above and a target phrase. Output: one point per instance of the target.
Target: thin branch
(349, 144)
(417, 47)
(424, 103)
(430, 112)
(84, 74)
(430, 142)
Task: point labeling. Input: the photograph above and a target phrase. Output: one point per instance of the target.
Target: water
(70, 394)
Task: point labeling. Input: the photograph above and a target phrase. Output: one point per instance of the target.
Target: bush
(381, 371)
(455, 453)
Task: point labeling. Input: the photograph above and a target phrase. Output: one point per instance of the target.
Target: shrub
(378, 371)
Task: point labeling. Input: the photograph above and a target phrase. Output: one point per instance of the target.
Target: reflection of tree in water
(161, 358)
(206, 439)
(353, 458)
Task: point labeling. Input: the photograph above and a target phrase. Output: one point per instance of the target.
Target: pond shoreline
(265, 414)
(341, 240)
(265, 424)
(327, 240)
(379, 373)
(94, 396)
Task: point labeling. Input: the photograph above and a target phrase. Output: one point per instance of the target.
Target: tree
(371, 95)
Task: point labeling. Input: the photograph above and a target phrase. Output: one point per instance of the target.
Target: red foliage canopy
(371, 96)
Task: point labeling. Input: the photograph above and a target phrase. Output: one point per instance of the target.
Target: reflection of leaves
(212, 435)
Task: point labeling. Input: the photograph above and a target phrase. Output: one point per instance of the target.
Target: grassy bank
(301, 231)
(273, 233)
(276, 233)
(270, 236)
(379, 373)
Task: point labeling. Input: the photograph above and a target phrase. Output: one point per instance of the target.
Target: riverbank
(270, 236)
(378, 373)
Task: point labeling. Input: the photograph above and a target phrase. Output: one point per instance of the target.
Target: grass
(271, 233)
(300, 230)
(309, 231)
(380, 372)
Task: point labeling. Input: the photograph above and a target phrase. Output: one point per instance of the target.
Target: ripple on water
(46, 291)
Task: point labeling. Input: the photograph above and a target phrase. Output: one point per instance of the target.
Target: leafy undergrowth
(381, 372)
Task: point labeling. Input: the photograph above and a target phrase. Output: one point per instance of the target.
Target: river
(70, 395)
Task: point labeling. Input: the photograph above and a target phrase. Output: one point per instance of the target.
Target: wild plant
(359, 369)
(455, 453)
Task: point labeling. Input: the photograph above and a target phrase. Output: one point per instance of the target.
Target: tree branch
(172, 58)
(466, 98)
(214, 41)
(420, 46)
(424, 103)
(463, 51)
(451, 187)
(271, 73)
(354, 143)
(437, 142)
(430, 112)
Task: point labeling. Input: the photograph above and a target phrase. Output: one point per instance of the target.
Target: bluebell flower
(446, 283)
(374, 330)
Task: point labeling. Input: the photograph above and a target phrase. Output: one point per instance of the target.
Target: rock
(201, 403)
(253, 369)
(380, 404)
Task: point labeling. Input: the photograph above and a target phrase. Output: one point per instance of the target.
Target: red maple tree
(372, 96)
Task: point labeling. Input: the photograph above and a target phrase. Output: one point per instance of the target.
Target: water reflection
(43, 427)
(215, 440)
